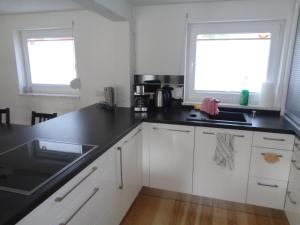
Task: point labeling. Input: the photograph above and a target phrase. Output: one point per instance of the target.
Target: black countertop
(96, 126)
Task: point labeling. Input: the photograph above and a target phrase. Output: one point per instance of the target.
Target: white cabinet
(81, 198)
(210, 179)
(101, 194)
(278, 170)
(292, 204)
(273, 140)
(98, 202)
(171, 157)
(129, 158)
(270, 168)
(266, 192)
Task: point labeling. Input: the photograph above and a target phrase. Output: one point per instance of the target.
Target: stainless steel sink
(223, 117)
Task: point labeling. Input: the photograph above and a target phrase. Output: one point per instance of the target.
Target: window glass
(51, 60)
(228, 62)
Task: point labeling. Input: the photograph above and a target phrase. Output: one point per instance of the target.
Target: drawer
(278, 170)
(66, 196)
(295, 170)
(292, 204)
(273, 140)
(266, 192)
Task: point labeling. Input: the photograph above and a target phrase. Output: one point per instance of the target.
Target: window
(224, 58)
(49, 61)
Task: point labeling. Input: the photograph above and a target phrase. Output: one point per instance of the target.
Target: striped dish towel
(224, 153)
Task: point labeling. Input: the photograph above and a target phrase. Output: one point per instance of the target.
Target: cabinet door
(292, 204)
(130, 169)
(171, 157)
(210, 179)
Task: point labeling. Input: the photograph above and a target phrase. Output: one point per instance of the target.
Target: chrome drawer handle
(289, 194)
(136, 133)
(264, 154)
(239, 136)
(211, 133)
(297, 147)
(183, 131)
(294, 162)
(96, 189)
(273, 139)
(121, 168)
(60, 199)
(268, 185)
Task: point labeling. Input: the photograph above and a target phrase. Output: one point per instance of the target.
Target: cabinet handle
(268, 185)
(183, 131)
(60, 199)
(279, 156)
(239, 136)
(289, 195)
(136, 133)
(297, 147)
(96, 189)
(211, 133)
(273, 139)
(295, 164)
(121, 168)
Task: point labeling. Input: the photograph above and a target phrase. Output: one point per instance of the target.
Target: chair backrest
(41, 117)
(6, 113)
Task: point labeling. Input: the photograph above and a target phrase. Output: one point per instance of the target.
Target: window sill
(51, 95)
(236, 106)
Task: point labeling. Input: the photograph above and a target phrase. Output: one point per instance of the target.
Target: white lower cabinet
(99, 195)
(292, 203)
(129, 156)
(176, 158)
(210, 179)
(171, 157)
(266, 192)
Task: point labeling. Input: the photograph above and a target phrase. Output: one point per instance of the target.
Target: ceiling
(159, 2)
(30, 6)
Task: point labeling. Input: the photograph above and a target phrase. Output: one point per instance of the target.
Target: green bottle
(244, 99)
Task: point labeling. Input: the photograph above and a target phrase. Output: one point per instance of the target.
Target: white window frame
(55, 89)
(275, 27)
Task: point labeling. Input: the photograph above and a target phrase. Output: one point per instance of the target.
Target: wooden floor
(156, 207)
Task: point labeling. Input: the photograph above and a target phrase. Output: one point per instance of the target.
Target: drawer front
(273, 140)
(295, 170)
(266, 192)
(292, 204)
(277, 167)
(60, 201)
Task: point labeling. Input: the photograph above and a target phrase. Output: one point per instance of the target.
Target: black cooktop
(26, 168)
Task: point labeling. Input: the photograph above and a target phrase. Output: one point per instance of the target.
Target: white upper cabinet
(210, 179)
(171, 157)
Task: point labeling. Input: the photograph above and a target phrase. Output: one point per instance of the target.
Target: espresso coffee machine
(141, 99)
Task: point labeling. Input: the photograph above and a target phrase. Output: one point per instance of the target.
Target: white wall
(102, 51)
(161, 29)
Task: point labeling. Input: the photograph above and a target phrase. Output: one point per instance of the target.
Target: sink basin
(222, 117)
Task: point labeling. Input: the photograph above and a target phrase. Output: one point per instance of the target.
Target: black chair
(41, 117)
(6, 113)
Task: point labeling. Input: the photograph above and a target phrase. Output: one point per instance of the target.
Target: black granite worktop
(96, 126)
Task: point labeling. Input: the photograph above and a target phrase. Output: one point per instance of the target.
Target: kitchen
(113, 165)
